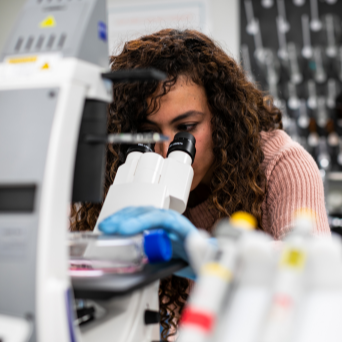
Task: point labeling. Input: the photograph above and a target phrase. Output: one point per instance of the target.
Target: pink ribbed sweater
(293, 182)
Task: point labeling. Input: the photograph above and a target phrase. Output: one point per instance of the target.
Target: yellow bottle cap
(241, 219)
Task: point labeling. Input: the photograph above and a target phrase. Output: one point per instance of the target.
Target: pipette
(259, 52)
(322, 115)
(313, 137)
(284, 24)
(303, 119)
(295, 75)
(331, 93)
(267, 3)
(319, 73)
(331, 49)
(247, 63)
(312, 98)
(340, 63)
(272, 66)
(323, 156)
(274, 93)
(316, 24)
(282, 52)
(272, 74)
(307, 48)
(293, 101)
(285, 117)
(252, 27)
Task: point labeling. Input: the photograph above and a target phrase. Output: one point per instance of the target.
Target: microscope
(148, 179)
(145, 179)
(54, 91)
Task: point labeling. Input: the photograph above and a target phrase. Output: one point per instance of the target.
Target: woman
(244, 161)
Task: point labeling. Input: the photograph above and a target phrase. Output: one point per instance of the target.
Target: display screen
(17, 198)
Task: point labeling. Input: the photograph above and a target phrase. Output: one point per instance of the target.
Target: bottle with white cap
(322, 308)
(246, 306)
(289, 280)
(200, 316)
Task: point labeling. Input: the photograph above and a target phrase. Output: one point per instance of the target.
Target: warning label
(19, 60)
(31, 64)
(293, 258)
(48, 22)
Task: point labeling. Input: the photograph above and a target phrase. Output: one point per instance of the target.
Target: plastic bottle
(117, 254)
(201, 314)
(289, 281)
(242, 314)
(322, 306)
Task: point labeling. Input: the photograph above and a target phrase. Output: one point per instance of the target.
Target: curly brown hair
(239, 113)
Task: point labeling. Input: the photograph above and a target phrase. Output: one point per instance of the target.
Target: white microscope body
(145, 179)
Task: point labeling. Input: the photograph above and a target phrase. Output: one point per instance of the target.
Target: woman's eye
(187, 128)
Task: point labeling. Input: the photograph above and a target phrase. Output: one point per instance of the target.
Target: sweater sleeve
(294, 182)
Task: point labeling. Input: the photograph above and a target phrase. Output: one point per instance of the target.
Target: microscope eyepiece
(183, 141)
(139, 148)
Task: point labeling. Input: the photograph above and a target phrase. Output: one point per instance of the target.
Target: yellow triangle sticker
(45, 66)
(48, 22)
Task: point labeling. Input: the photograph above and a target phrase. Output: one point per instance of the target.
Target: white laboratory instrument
(54, 91)
(49, 78)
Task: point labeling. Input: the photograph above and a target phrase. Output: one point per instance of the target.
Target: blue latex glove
(134, 220)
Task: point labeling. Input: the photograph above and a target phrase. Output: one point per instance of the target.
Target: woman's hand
(134, 220)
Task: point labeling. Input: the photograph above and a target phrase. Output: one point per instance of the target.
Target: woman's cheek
(197, 177)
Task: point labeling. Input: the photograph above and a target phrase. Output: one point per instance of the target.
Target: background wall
(9, 10)
(224, 15)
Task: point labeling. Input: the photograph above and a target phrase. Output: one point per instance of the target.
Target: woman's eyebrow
(179, 117)
(186, 115)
